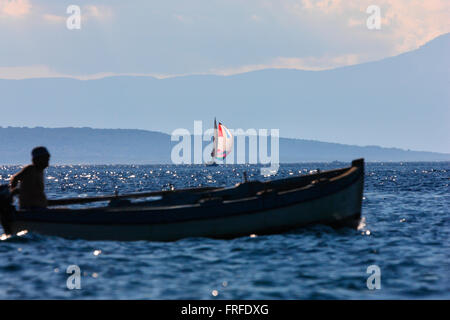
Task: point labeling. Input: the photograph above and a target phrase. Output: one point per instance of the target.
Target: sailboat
(223, 143)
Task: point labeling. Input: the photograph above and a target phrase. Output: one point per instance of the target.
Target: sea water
(404, 235)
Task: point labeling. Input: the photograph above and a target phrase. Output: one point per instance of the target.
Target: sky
(165, 39)
(180, 37)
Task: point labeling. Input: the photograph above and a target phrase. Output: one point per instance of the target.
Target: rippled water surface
(406, 234)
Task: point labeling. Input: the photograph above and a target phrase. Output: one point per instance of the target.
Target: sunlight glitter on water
(404, 228)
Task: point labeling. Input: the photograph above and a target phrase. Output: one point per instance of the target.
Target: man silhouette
(31, 178)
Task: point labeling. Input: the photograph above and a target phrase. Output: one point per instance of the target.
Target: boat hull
(336, 202)
(339, 209)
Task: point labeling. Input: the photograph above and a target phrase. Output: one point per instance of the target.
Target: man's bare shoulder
(27, 170)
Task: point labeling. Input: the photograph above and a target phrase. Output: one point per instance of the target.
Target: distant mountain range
(402, 101)
(122, 146)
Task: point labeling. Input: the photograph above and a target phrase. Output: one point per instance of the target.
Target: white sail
(223, 143)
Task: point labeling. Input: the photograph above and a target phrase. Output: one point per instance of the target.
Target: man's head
(40, 157)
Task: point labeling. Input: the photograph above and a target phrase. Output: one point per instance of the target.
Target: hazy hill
(107, 146)
(403, 101)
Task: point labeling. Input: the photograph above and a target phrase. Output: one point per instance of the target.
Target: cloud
(227, 36)
(89, 12)
(413, 23)
(308, 63)
(182, 18)
(23, 72)
(407, 24)
(43, 71)
(54, 18)
(328, 6)
(96, 12)
(21, 8)
(352, 22)
(15, 8)
(256, 18)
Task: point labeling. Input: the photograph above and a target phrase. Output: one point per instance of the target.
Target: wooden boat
(330, 197)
